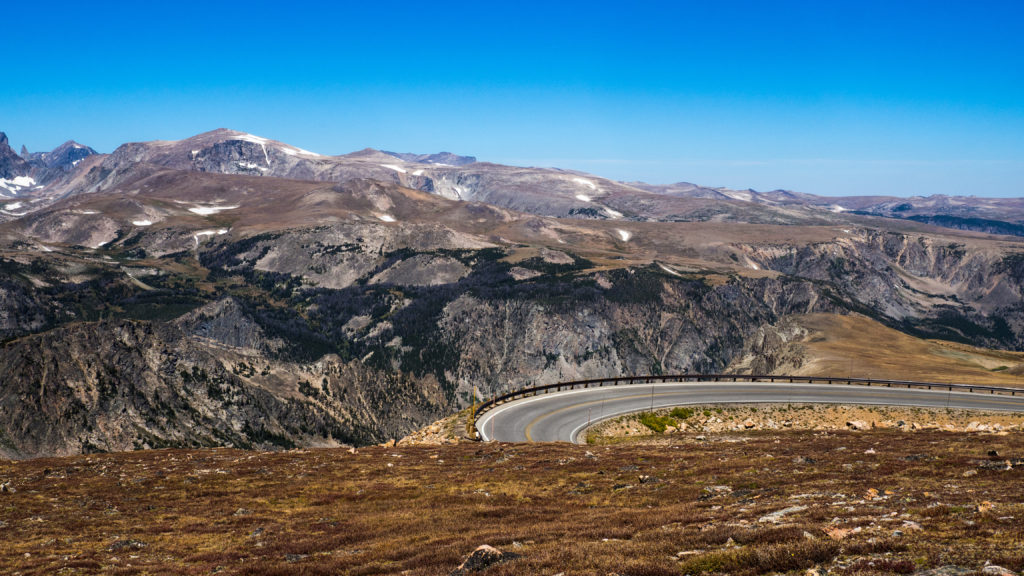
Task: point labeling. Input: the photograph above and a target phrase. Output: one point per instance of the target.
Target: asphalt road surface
(561, 416)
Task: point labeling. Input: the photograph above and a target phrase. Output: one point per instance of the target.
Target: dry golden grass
(861, 347)
(628, 509)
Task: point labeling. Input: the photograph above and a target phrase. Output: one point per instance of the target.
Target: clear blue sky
(826, 97)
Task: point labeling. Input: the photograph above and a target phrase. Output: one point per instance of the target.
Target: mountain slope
(361, 309)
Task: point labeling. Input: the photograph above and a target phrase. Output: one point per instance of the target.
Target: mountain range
(228, 289)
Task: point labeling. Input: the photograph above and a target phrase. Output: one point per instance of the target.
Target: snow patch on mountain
(585, 182)
(207, 210)
(739, 195)
(293, 151)
(15, 184)
(669, 270)
(205, 233)
(395, 167)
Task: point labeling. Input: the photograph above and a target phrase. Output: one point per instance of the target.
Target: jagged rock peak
(11, 165)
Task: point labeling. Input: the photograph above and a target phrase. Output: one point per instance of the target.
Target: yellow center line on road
(888, 395)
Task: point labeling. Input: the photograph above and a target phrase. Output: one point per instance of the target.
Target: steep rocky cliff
(184, 295)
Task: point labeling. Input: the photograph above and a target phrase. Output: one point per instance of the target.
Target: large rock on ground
(482, 558)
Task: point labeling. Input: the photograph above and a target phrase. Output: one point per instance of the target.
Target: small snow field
(394, 167)
(585, 182)
(208, 210)
(738, 195)
(386, 218)
(13, 206)
(293, 151)
(418, 172)
(204, 233)
(142, 222)
(583, 197)
(624, 235)
(612, 213)
(669, 270)
(251, 138)
(15, 184)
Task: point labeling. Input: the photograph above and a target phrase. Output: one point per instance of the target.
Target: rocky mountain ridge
(541, 191)
(175, 291)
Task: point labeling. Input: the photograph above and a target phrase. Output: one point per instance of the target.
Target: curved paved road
(561, 416)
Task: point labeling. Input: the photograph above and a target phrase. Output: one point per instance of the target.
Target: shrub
(655, 422)
(681, 413)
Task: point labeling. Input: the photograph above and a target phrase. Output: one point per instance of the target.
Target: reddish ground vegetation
(754, 503)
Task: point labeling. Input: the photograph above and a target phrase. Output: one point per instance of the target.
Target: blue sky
(823, 97)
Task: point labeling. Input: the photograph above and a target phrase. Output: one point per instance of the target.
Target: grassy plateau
(758, 502)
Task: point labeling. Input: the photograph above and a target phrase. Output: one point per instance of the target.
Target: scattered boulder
(686, 553)
(776, 516)
(911, 525)
(858, 425)
(836, 533)
(949, 570)
(993, 570)
(121, 545)
(6, 488)
(483, 557)
(748, 424)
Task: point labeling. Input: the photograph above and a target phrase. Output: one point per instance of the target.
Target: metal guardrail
(636, 380)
